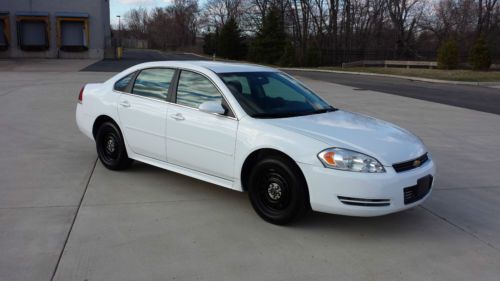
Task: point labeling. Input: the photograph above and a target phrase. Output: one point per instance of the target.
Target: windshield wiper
(292, 114)
(273, 115)
(324, 110)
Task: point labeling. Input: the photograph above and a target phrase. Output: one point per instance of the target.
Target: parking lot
(63, 216)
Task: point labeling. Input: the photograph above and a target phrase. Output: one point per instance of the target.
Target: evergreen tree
(209, 41)
(230, 43)
(270, 42)
(480, 57)
(448, 55)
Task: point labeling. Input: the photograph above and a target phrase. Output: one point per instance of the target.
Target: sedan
(255, 129)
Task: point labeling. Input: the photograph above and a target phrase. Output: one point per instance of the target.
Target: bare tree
(340, 30)
(404, 15)
(166, 28)
(219, 11)
(137, 22)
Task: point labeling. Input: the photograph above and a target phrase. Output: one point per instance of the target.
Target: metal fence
(337, 57)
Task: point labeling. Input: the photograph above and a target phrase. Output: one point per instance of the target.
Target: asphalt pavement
(132, 57)
(481, 98)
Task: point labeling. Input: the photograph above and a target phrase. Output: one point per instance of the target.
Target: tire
(111, 147)
(277, 190)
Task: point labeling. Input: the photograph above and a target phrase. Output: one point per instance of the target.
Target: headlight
(348, 160)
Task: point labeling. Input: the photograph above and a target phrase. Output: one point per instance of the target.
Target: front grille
(364, 202)
(414, 193)
(412, 164)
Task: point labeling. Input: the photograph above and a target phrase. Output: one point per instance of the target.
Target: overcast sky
(120, 7)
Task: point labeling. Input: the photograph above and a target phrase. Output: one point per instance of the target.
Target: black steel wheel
(111, 147)
(277, 190)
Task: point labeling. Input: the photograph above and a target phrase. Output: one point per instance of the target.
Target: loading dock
(72, 32)
(76, 29)
(33, 31)
(4, 31)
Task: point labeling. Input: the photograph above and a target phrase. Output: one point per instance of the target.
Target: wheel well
(257, 155)
(99, 121)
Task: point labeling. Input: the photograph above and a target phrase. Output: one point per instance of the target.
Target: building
(54, 28)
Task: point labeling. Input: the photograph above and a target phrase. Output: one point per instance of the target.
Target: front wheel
(277, 190)
(111, 147)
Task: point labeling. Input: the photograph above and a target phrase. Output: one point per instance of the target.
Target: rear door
(143, 110)
(199, 140)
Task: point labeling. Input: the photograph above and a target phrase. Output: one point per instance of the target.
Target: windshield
(273, 95)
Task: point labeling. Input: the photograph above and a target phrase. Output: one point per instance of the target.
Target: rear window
(121, 85)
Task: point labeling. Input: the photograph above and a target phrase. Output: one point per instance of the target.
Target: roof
(215, 66)
(33, 14)
(225, 67)
(72, 15)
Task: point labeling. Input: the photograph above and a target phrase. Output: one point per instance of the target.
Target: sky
(121, 7)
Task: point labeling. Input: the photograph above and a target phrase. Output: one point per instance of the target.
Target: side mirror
(212, 107)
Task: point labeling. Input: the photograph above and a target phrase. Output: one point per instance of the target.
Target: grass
(440, 74)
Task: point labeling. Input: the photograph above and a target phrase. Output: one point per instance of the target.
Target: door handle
(125, 103)
(177, 116)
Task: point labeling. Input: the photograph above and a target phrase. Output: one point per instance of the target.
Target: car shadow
(407, 221)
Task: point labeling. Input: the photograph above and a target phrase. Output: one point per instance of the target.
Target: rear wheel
(277, 190)
(111, 147)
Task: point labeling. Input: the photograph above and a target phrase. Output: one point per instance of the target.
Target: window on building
(33, 31)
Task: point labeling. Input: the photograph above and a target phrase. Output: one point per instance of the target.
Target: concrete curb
(397, 76)
(198, 55)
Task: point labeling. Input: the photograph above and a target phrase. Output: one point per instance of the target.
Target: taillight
(80, 96)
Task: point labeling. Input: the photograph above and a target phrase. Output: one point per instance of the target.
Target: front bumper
(327, 185)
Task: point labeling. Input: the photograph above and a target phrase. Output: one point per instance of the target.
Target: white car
(256, 129)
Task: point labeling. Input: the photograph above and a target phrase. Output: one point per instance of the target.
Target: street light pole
(119, 31)
(119, 49)
(215, 44)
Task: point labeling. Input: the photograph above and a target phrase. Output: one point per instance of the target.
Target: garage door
(72, 34)
(33, 33)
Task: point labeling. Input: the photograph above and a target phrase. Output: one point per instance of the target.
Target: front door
(199, 140)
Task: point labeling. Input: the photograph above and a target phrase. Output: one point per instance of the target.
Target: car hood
(386, 142)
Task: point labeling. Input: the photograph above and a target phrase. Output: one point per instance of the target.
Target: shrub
(313, 56)
(448, 55)
(480, 57)
(288, 57)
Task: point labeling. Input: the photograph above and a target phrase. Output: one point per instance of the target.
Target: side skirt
(185, 171)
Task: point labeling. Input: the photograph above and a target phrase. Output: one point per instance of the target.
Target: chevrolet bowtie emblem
(416, 163)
